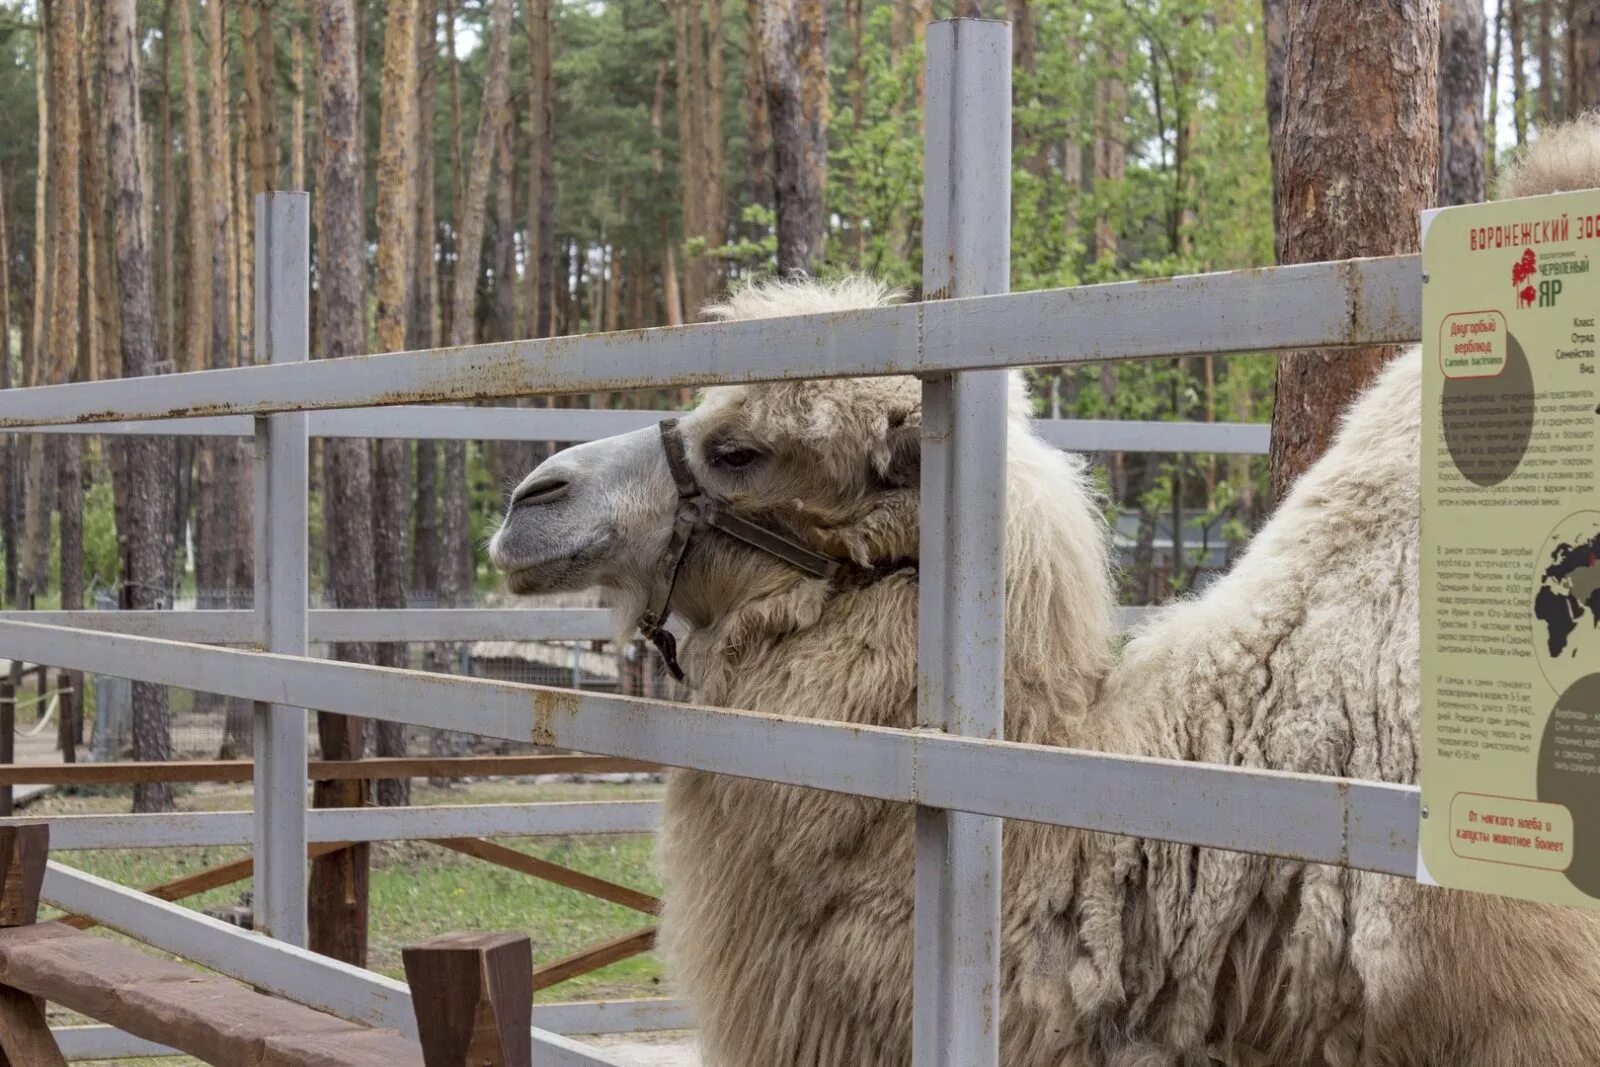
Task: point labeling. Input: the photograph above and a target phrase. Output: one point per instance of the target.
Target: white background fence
(962, 777)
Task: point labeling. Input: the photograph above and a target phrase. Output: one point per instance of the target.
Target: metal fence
(963, 779)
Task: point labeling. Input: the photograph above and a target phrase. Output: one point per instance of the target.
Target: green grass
(419, 890)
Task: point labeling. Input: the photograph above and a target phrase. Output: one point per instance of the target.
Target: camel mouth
(559, 572)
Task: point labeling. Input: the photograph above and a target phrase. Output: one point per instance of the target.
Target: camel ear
(898, 464)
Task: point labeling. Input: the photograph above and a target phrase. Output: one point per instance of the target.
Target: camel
(788, 912)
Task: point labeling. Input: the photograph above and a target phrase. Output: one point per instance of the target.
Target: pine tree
(338, 897)
(1336, 165)
(146, 560)
(397, 182)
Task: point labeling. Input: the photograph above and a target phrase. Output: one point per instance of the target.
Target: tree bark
(1491, 125)
(146, 560)
(10, 488)
(455, 545)
(1275, 33)
(503, 259)
(65, 141)
(1463, 62)
(716, 212)
(757, 131)
(34, 507)
(795, 56)
(1584, 76)
(297, 94)
(166, 290)
(1547, 73)
(542, 277)
(691, 162)
(1360, 160)
(338, 900)
(424, 332)
(1110, 151)
(397, 184)
(1519, 74)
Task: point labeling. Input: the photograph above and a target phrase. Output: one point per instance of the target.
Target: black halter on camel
(699, 510)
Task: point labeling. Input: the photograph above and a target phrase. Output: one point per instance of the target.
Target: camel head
(831, 466)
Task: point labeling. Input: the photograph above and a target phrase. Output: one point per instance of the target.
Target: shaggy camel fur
(788, 915)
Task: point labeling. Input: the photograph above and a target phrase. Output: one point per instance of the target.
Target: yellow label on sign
(1511, 549)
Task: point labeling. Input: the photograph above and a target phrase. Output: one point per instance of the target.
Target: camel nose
(542, 490)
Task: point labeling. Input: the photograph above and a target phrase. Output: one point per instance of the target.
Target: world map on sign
(1569, 595)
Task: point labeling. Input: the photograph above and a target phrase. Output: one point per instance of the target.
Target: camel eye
(734, 458)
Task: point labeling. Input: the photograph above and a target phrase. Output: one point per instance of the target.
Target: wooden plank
(212, 1018)
(25, 1037)
(592, 959)
(203, 881)
(127, 773)
(473, 995)
(512, 859)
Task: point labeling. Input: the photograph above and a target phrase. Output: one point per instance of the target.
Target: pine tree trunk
(397, 184)
(1349, 187)
(716, 210)
(1547, 72)
(10, 487)
(1584, 73)
(146, 559)
(338, 898)
(1110, 153)
(458, 181)
(297, 94)
(1025, 65)
(1491, 125)
(795, 56)
(424, 331)
(757, 130)
(65, 141)
(1519, 74)
(1275, 32)
(504, 258)
(33, 505)
(455, 546)
(691, 163)
(166, 308)
(214, 564)
(542, 276)
(1463, 63)
(197, 230)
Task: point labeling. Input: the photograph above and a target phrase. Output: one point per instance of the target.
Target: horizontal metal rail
(1358, 824)
(383, 624)
(1314, 305)
(274, 966)
(188, 829)
(133, 772)
(570, 1018)
(453, 423)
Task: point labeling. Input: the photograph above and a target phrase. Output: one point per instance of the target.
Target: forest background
(488, 170)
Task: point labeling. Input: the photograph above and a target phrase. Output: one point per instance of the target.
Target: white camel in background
(788, 915)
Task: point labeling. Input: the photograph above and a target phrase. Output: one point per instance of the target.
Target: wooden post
(25, 1038)
(8, 736)
(67, 717)
(473, 996)
(24, 850)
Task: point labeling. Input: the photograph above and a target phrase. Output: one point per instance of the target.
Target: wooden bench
(472, 994)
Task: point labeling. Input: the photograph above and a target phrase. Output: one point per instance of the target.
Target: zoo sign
(1510, 552)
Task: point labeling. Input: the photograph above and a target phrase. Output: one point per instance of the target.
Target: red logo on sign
(1524, 268)
(1526, 297)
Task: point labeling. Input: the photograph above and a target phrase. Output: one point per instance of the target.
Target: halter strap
(698, 510)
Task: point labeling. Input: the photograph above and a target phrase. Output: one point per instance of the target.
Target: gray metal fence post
(283, 335)
(961, 638)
